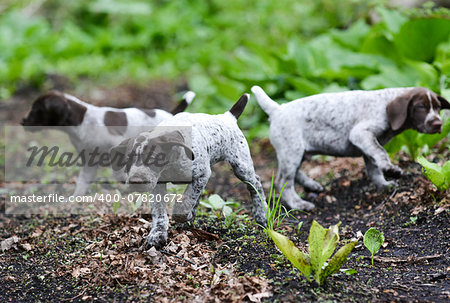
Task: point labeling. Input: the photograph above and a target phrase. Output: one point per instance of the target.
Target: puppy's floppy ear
(174, 138)
(444, 103)
(118, 156)
(56, 108)
(397, 110)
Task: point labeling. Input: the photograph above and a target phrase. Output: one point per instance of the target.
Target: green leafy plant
(412, 220)
(221, 208)
(373, 239)
(322, 243)
(440, 176)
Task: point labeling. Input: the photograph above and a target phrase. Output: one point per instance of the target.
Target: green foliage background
(293, 48)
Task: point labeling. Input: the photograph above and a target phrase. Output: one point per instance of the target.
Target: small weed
(412, 221)
(373, 239)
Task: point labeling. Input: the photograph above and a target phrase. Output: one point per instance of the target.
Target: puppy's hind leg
(288, 163)
(84, 180)
(244, 170)
(160, 221)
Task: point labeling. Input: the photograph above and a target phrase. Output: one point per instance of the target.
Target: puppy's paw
(314, 187)
(183, 217)
(157, 239)
(387, 185)
(185, 225)
(393, 171)
(300, 204)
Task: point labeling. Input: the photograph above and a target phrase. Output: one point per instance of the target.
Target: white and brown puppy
(94, 128)
(346, 124)
(214, 138)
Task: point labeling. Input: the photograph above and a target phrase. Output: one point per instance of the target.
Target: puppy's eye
(421, 107)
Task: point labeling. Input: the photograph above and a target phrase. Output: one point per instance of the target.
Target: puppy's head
(54, 109)
(417, 109)
(140, 161)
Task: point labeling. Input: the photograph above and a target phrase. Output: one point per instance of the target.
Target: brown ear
(444, 103)
(397, 111)
(174, 138)
(117, 155)
(55, 110)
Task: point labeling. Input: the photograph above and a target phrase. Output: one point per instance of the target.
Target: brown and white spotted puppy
(346, 124)
(92, 127)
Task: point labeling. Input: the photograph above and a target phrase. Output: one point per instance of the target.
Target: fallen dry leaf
(26, 246)
(9, 243)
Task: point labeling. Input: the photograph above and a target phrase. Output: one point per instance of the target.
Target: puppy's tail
(239, 106)
(187, 99)
(267, 104)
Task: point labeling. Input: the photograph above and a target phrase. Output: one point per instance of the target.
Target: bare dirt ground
(78, 258)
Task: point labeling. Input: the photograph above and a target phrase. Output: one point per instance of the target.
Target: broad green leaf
(446, 171)
(353, 36)
(316, 240)
(442, 61)
(391, 18)
(299, 259)
(373, 239)
(305, 86)
(433, 172)
(411, 38)
(216, 202)
(227, 211)
(338, 259)
(330, 242)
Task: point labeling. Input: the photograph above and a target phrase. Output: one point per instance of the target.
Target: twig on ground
(79, 295)
(410, 259)
(387, 199)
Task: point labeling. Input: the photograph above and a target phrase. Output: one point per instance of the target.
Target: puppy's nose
(437, 123)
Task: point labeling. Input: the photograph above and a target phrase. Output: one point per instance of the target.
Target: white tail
(267, 104)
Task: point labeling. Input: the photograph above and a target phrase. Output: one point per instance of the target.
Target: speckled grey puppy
(346, 124)
(214, 138)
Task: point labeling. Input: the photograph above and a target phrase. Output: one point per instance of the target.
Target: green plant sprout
(373, 239)
(440, 176)
(275, 211)
(322, 243)
(221, 208)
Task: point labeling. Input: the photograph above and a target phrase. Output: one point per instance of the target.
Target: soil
(77, 258)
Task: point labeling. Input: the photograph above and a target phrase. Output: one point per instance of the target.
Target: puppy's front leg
(84, 180)
(368, 144)
(185, 211)
(160, 221)
(376, 175)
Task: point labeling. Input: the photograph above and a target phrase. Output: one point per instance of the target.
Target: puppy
(346, 124)
(94, 128)
(214, 138)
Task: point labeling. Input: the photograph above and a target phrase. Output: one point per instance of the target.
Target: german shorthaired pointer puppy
(214, 138)
(346, 124)
(94, 128)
